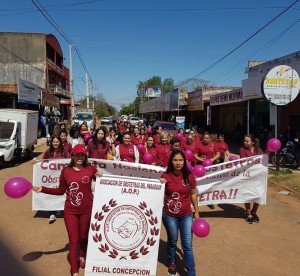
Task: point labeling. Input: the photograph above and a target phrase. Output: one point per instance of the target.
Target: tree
(102, 108)
(194, 84)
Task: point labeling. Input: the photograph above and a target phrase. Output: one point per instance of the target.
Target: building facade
(38, 59)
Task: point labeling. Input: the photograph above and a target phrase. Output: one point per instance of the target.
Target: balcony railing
(56, 90)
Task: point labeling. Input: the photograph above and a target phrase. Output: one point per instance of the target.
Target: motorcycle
(286, 156)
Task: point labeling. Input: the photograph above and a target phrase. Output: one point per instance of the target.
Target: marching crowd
(138, 144)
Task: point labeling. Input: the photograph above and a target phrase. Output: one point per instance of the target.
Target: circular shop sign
(281, 85)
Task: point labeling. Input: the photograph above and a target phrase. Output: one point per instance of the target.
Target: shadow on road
(163, 257)
(10, 265)
(229, 211)
(32, 256)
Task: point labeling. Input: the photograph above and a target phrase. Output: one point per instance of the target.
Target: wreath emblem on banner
(129, 231)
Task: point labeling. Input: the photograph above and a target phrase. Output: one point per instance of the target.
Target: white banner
(239, 181)
(125, 226)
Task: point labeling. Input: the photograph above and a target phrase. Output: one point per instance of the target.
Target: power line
(21, 59)
(241, 44)
(258, 51)
(56, 26)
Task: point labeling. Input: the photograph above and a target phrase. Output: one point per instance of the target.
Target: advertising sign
(174, 99)
(151, 92)
(50, 100)
(281, 85)
(226, 98)
(195, 101)
(180, 122)
(28, 92)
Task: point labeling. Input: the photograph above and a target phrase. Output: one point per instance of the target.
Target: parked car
(85, 117)
(166, 126)
(105, 121)
(134, 120)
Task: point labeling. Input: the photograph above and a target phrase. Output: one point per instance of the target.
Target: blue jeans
(184, 225)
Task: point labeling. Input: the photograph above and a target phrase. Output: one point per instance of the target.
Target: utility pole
(93, 104)
(71, 83)
(87, 91)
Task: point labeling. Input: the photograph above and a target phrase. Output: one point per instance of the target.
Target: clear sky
(123, 42)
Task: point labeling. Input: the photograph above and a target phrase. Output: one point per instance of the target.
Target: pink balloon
(199, 171)
(190, 167)
(273, 145)
(140, 146)
(232, 158)
(148, 157)
(207, 163)
(201, 228)
(17, 187)
(179, 136)
(188, 154)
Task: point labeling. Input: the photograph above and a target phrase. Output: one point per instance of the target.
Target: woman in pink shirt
(76, 181)
(99, 147)
(180, 195)
(223, 147)
(56, 149)
(251, 148)
(206, 149)
(126, 151)
(66, 144)
(163, 147)
(149, 148)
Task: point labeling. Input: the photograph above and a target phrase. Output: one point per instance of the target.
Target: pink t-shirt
(151, 150)
(128, 153)
(100, 152)
(222, 147)
(138, 140)
(177, 199)
(78, 188)
(208, 150)
(162, 150)
(245, 152)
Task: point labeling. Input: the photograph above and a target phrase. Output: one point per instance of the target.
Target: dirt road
(30, 246)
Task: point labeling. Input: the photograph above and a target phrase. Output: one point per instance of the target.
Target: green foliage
(102, 108)
(281, 172)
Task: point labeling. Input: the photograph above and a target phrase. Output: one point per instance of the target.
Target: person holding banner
(126, 151)
(99, 147)
(76, 181)
(177, 215)
(55, 150)
(251, 148)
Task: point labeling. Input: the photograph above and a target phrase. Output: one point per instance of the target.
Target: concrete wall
(23, 56)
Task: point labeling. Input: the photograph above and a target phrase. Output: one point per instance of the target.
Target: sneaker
(249, 219)
(82, 263)
(255, 217)
(172, 270)
(52, 218)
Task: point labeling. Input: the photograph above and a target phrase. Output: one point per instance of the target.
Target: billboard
(174, 99)
(151, 92)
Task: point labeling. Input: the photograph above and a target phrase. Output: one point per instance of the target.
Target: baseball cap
(80, 148)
